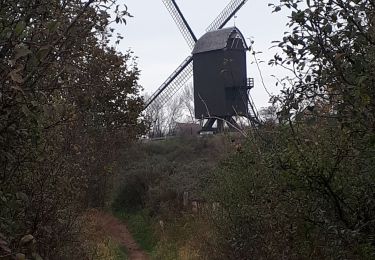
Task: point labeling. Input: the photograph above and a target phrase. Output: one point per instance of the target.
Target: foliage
(130, 196)
(155, 174)
(301, 201)
(304, 188)
(67, 101)
(331, 51)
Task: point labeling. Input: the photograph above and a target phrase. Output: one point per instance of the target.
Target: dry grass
(97, 240)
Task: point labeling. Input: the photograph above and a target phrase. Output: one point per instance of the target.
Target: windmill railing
(250, 83)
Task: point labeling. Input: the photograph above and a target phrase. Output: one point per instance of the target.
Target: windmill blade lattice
(229, 11)
(181, 22)
(174, 83)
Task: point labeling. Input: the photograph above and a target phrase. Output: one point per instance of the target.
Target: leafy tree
(67, 101)
(330, 50)
(304, 189)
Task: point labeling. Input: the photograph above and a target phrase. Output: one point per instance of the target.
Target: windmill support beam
(220, 124)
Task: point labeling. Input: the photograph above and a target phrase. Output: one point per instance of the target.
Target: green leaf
(25, 110)
(328, 28)
(34, 103)
(22, 196)
(32, 61)
(15, 76)
(52, 26)
(277, 9)
(21, 50)
(362, 79)
(43, 52)
(36, 256)
(6, 32)
(308, 78)
(3, 198)
(20, 27)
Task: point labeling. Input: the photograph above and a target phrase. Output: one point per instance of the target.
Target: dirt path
(120, 233)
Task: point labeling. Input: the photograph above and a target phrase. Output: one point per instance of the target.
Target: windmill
(213, 58)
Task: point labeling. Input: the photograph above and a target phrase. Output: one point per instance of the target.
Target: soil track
(118, 231)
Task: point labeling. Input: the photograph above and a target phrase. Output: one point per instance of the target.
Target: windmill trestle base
(220, 124)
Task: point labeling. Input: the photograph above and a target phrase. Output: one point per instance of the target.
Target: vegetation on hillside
(155, 175)
(153, 178)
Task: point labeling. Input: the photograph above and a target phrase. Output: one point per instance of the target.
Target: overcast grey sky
(160, 47)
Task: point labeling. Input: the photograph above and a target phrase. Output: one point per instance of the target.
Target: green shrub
(156, 174)
(311, 198)
(130, 196)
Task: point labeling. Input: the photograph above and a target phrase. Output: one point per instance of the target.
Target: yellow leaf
(15, 76)
(26, 239)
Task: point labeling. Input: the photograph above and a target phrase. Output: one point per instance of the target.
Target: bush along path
(119, 232)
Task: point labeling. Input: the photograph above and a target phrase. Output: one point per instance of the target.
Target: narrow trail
(120, 233)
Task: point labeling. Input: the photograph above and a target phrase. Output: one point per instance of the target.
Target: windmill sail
(181, 22)
(185, 71)
(229, 11)
(174, 82)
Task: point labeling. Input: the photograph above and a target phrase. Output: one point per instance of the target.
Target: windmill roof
(217, 40)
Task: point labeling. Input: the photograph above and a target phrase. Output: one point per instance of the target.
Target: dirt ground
(118, 231)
